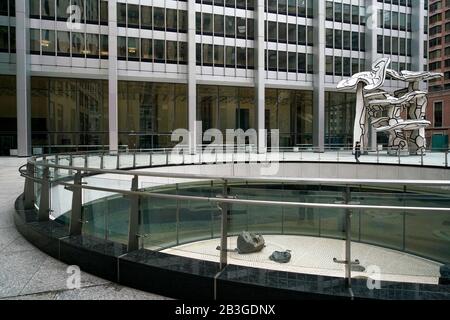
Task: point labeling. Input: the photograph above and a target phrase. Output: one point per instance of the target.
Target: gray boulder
(250, 243)
(281, 257)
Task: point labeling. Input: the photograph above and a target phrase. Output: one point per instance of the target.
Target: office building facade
(96, 73)
(438, 112)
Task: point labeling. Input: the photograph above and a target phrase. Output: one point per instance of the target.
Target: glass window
(92, 45)
(230, 57)
(207, 55)
(241, 28)
(48, 42)
(182, 52)
(122, 48)
(4, 7)
(230, 26)
(438, 114)
(301, 63)
(80, 4)
(147, 50)
(4, 42)
(250, 58)
(104, 12)
(133, 49)
(159, 17)
(207, 25)
(63, 43)
(92, 7)
(62, 6)
(146, 17)
(241, 56)
(48, 9)
(172, 52)
(34, 9)
(35, 41)
(104, 46)
(218, 25)
(159, 50)
(78, 44)
(282, 62)
(121, 14)
(272, 32)
(250, 29)
(133, 16)
(171, 20)
(218, 56)
(272, 60)
(182, 21)
(12, 38)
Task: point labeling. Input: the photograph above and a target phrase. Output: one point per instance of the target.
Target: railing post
(378, 156)
(446, 159)
(133, 225)
(56, 163)
(348, 238)
(86, 165)
(421, 157)
(151, 159)
(118, 160)
(44, 202)
(224, 229)
(348, 262)
(177, 226)
(134, 159)
(102, 160)
(28, 192)
(167, 158)
(70, 164)
(398, 154)
(76, 222)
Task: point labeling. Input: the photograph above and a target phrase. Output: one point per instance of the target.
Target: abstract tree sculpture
(384, 112)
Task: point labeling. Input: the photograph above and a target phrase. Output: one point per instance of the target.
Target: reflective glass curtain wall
(150, 112)
(68, 114)
(290, 111)
(8, 115)
(220, 107)
(339, 118)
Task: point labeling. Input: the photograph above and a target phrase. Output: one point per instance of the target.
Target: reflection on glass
(63, 43)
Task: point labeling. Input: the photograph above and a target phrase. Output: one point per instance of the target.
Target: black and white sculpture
(379, 109)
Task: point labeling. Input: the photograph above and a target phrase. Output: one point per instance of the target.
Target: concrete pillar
(112, 77)
(260, 77)
(371, 54)
(23, 80)
(418, 37)
(319, 77)
(371, 32)
(192, 79)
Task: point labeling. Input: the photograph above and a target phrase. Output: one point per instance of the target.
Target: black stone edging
(185, 278)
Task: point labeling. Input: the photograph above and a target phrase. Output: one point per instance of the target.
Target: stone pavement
(28, 273)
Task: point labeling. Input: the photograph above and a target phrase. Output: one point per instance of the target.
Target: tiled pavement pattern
(28, 273)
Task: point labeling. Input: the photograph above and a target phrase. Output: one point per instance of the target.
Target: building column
(260, 77)
(113, 114)
(319, 77)
(371, 53)
(23, 80)
(371, 33)
(418, 37)
(192, 79)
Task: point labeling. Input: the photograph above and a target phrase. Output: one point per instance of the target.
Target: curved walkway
(28, 273)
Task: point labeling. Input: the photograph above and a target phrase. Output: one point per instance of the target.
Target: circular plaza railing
(127, 199)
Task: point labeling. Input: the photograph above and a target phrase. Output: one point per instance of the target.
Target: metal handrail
(74, 184)
(241, 178)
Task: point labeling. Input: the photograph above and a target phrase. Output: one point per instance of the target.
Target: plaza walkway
(28, 273)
